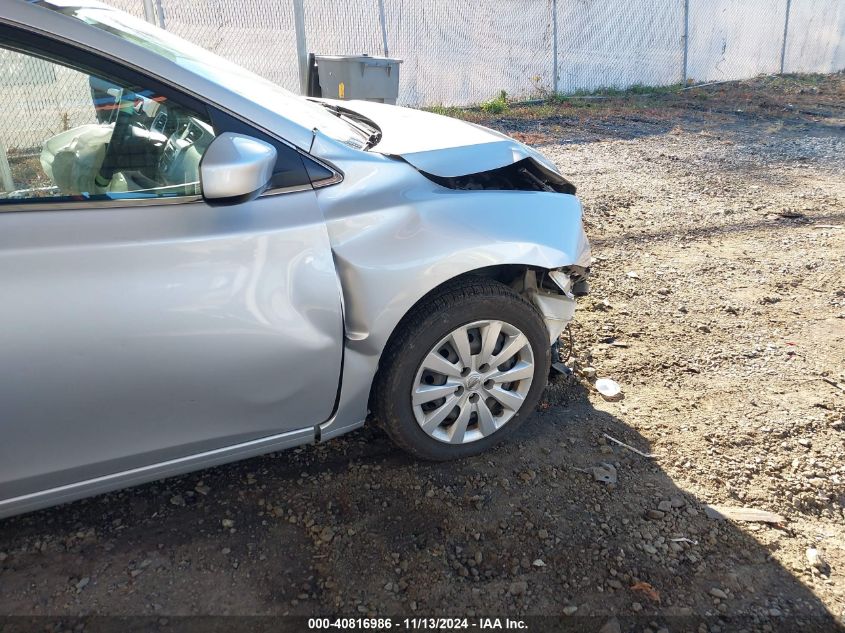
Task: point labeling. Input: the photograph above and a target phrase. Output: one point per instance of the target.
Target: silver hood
(440, 145)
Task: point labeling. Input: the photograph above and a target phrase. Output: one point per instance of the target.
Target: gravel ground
(718, 304)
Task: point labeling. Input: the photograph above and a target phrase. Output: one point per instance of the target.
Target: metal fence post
(149, 12)
(6, 181)
(160, 12)
(301, 47)
(785, 34)
(686, 41)
(383, 25)
(555, 87)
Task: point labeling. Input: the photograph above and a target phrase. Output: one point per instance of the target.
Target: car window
(70, 134)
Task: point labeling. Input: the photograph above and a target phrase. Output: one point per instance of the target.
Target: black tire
(464, 301)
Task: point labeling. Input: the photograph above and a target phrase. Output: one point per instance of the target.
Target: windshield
(210, 66)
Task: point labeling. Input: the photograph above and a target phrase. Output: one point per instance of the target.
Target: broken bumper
(559, 308)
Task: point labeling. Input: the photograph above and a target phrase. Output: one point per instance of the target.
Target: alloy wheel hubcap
(473, 381)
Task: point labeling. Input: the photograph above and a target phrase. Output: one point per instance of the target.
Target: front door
(139, 324)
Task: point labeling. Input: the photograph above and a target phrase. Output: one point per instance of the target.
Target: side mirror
(236, 168)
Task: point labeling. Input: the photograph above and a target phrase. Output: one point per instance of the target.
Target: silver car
(198, 266)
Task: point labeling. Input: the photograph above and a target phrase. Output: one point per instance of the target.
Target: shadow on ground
(355, 527)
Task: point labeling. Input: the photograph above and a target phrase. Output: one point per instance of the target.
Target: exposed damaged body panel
(525, 175)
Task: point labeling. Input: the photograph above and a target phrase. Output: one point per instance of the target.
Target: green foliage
(452, 111)
(497, 105)
(616, 93)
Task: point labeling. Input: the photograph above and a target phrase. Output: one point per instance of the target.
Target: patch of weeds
(452, 111)
(640, 89)
(571, 101)
(497, 105)
(615, 93)
(28, 173)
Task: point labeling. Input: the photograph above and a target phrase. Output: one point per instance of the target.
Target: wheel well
(504, 273)
(507, 274)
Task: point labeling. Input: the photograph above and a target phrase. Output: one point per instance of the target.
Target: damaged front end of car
(524, 175)
(554, 291)
(527, 214)
(443, 199)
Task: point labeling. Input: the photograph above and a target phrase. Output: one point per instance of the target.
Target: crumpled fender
(391, 263)
(396, 235)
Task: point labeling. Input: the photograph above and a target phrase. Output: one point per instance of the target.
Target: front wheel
(463, 372)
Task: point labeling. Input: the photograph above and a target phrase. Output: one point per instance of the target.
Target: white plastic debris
(815, 559)
(629, 447)
(605, 473)
(609, 389)
(742, 514)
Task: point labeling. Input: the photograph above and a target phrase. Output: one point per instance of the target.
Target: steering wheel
(122, 123)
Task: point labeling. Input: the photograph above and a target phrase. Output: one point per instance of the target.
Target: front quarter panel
(396, 235)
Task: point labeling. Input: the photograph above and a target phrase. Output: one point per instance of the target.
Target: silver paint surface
(236, 165)
(139, 340)
(136, 335)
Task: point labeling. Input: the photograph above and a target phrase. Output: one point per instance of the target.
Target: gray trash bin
(357, 77)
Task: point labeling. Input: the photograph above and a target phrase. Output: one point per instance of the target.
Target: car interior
(142, 145)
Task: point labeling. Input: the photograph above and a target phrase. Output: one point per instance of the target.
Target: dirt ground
(717, 219)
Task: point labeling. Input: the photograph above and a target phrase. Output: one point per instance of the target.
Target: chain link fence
(38, 100)
(619, 44)
(459, 53)
(462, 52)
(256, 34)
